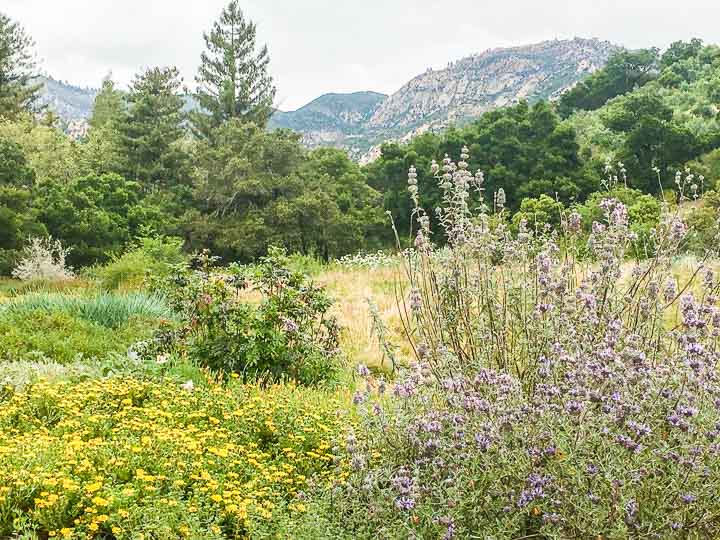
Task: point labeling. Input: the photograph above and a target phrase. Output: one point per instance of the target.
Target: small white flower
(188, 386)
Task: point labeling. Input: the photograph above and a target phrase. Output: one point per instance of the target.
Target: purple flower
(574, 407)
(403, 484)
(631, 510)
(483, 442)
(405, 503)
(363, 370)
(357, 462)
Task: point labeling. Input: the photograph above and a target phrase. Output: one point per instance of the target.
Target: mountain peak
(456, 94)
(460, 92)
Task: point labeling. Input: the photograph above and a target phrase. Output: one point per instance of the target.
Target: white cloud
(320, 46)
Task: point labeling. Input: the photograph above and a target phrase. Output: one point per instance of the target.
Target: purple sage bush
(551, 396)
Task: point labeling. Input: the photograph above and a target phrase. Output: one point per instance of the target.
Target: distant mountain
(360, 121)
(455, 95)
(71, 103)
(67, 101)
(332, 118)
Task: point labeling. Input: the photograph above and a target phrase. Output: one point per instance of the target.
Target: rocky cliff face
(476, 84)
(459, 93)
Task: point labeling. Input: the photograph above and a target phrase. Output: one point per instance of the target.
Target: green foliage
(624, 71)
(152, 131)
(152, 256)
(704, 230)
(18, 216)
(17, 92)
(50, 154)
(680, 51)
(255, 188)
(14, 170)
(109, 106)
(288, 334)
(523, 149)
(654, 142)
(90, 214)
(539, 213)
(233, 79)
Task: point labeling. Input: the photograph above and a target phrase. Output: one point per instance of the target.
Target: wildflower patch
(125, 458)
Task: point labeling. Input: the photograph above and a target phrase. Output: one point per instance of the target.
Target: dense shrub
(561, 399)
(153, 256)
(43, 258)
(264, 321)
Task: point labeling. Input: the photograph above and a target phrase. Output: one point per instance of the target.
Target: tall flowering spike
(479, 178)
(574, 223)
(412, 184)
(464, 156)
(412, 176)
(500, 198)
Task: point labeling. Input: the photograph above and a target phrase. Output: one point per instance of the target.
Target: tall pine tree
(108, 106)
(102, 152)
(233, 79)
(152, 130)
(18, 92)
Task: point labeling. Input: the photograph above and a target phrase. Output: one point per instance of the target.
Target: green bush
(286, 334)
(149, 256)
(703, 225)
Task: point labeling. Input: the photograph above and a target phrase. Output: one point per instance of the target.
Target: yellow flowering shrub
(127, 458)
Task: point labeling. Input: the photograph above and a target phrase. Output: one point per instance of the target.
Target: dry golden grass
(351, 289)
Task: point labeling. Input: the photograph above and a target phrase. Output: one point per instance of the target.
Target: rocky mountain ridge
(459, 93)
(359, 122)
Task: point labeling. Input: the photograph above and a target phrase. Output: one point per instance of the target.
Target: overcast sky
(319, 46)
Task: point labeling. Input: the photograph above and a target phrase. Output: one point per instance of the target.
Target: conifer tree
(233, 79)
(152, 129)
(108, 106)
(18, 92)
(102, 152)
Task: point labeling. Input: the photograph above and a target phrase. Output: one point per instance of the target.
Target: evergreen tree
(233, 79)
(151, 131)
(108, 106)
(102, 152)
(17, 90)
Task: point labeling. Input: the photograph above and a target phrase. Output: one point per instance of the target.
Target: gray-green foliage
(108, 310)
